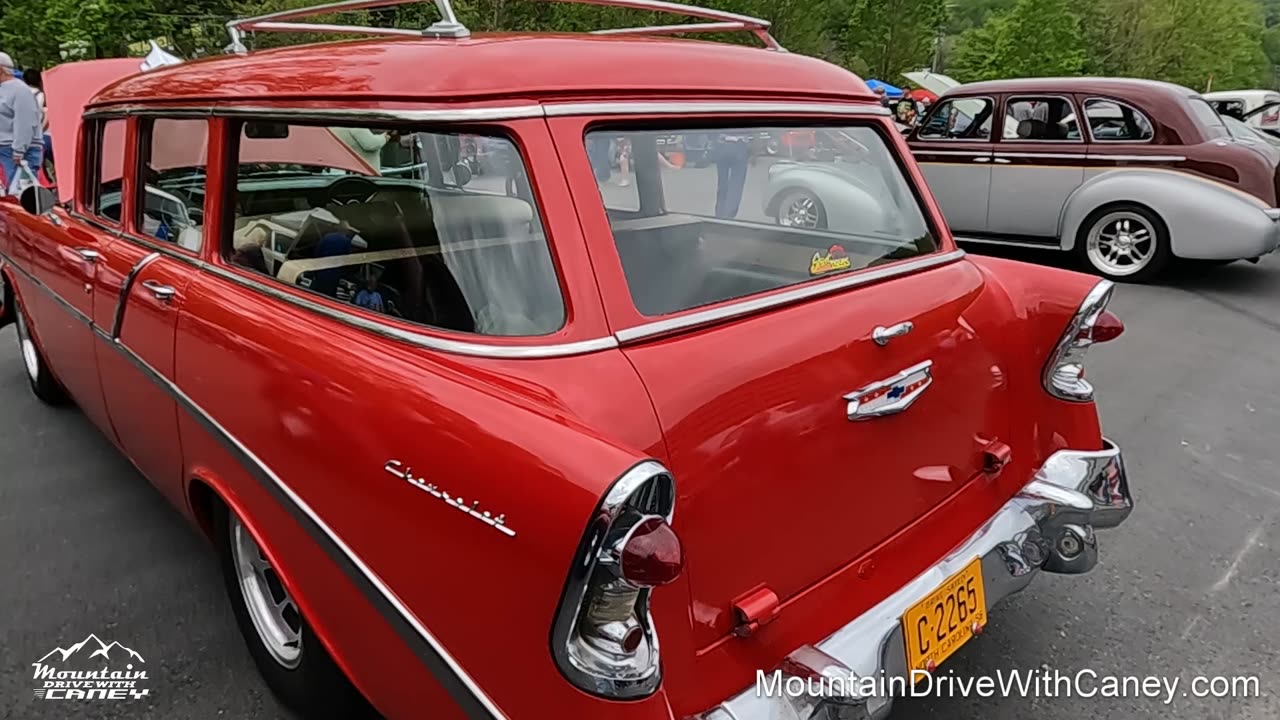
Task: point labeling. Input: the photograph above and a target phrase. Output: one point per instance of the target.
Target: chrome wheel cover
(29, 356)
(800, 211)
(1121, 243)
(272, 610)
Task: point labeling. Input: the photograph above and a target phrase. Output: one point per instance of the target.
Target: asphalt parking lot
(1187, 587)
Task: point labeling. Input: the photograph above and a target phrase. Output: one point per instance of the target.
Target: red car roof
(487, 67)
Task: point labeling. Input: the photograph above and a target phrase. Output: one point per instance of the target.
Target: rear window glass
(701, 216)
(1209, 119)
(435, 228)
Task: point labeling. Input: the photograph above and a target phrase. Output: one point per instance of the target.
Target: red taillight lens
(651, 554)
(1107, 327)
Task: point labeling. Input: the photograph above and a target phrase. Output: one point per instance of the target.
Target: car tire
(43, 384)
(800, 208)
(1124, 242)
(289, 656)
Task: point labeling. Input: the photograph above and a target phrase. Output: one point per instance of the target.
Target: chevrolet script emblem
(891, 395)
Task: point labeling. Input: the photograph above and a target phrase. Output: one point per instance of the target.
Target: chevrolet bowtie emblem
(891, 395)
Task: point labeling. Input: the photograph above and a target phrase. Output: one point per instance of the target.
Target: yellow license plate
(938, 625)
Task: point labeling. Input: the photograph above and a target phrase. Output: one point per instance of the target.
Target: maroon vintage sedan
(1127, 174)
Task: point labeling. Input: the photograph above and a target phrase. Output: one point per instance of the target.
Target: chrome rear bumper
(1048, 526)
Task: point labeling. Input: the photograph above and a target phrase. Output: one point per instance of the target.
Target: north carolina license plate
(938, 625)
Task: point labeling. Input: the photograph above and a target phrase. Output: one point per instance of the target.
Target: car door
(953, 147)
(143, 284)
(67, 258)
(1039, 161)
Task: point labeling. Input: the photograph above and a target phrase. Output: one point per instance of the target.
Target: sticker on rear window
(835, 259)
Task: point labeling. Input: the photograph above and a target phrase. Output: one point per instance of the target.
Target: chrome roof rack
(448, 26)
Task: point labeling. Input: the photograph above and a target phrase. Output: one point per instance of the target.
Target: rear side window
(173, 158)
(106, 163)
(436, 228)
(1110, 121)
(724, 213)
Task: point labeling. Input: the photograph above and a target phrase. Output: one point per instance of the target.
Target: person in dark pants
(732, 157)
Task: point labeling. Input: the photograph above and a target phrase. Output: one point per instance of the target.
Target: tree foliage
(1193, 42)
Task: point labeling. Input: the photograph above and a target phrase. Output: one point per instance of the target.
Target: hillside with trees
(1198, 43)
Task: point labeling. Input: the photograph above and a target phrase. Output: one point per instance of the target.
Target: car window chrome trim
(467, 114)
(747, 307)
(991, 100)
(461, 686)
(649, 107)
(458, 347)
(1107, 141)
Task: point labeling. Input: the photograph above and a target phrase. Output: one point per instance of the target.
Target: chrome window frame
(141, 188)
(1146, 116)
(1010, 99)
(91, 184)
(949, 98)
(521, 111)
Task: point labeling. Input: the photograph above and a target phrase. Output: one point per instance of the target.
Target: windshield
(704, 215)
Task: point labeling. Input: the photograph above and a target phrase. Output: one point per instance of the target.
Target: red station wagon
(494, 408)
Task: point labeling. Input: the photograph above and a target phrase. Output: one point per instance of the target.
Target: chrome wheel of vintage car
(272, 610)
(43, 384)
(30, 358)
(1124, 242)
(801, 209)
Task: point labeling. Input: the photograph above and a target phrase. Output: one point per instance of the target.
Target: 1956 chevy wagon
(1149, 175)
(569, 438)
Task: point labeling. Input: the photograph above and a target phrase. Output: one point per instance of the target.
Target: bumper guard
(1048, 526)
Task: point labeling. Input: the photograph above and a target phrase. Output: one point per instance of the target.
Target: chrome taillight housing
(604, 639)
(1064, 373)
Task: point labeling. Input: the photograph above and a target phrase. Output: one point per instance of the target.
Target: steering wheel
(349, 190)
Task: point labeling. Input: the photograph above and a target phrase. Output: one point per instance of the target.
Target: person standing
(732, 158)
(21, 131)
(34, 79)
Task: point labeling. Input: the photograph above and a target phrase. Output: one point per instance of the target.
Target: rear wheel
(290, 658)
(802, 209)
(1125, 243)
(43, 385)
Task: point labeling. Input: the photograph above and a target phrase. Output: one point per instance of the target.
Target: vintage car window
(1041, 119)
(173, 159)
(1208, 119)
(765, 208)
(959, 119)
(1110, 121)
(441, 229)
(106, 152)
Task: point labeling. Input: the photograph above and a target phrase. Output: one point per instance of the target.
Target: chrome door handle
(882, 335)
(88, 255)
(1003, 161)
(982, 159)
(163, 293)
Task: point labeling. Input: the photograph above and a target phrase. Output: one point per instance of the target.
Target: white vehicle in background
(1259, 108)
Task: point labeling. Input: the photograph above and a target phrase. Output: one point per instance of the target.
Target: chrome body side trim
(711, 107)
(1048, 526)
(414, 338)
(480, 114)
(118, 319)
(1049, 155)
(1140, 158)
(1010, 243)
(804, 292)
(953, 153)
(435, 657)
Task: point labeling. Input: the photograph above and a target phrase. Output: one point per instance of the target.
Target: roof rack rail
(448, 27)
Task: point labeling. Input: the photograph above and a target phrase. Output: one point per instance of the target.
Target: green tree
(1191, 42)
(1034, 38)
(892, 36)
